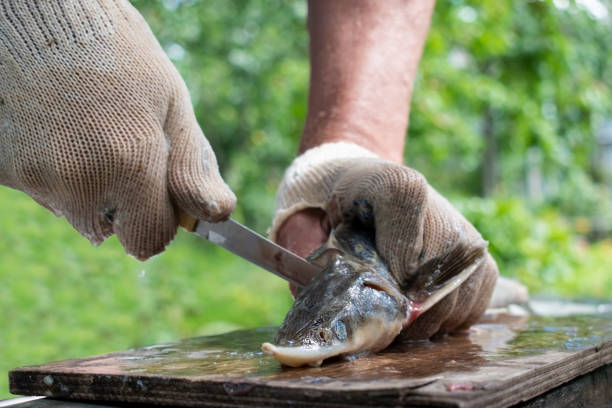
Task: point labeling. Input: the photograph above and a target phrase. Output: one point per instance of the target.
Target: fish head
(350, 307)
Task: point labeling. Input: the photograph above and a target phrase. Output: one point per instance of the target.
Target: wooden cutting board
(502, 361)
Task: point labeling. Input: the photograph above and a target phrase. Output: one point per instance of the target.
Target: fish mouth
(298, 356)
(371, 337)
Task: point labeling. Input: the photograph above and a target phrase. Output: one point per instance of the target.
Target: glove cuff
(309, 180)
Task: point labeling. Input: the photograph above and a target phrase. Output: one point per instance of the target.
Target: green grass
(62, 298)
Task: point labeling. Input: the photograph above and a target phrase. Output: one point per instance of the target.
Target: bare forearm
(364, 55)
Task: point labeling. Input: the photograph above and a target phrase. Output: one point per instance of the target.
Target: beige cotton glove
(97, 125)
(413, 223)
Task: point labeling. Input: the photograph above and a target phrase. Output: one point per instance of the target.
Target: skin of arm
(364, 56)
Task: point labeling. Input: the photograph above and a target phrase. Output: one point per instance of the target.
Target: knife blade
(256, 249)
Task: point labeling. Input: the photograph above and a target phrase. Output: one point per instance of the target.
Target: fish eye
(339, 329)
(323, 256)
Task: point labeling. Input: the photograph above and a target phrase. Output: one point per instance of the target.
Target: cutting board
(500, 362)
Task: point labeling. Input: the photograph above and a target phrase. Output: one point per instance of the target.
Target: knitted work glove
(97, 125)
(412, 223)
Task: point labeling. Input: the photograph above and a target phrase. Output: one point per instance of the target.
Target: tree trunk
(489, 164)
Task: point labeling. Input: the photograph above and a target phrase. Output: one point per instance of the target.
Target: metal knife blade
(251, 246)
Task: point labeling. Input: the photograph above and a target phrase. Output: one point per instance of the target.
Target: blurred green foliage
(508, 103)
(540, 247)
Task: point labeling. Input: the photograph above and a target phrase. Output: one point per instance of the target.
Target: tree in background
(507, 87)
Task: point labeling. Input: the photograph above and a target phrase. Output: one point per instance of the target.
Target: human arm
(364, 59)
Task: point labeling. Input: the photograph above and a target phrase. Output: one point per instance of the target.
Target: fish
(354, 306)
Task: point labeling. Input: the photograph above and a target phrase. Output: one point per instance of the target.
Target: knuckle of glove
(198, 189)
(386, 197)
(194, 180)
(373, 189)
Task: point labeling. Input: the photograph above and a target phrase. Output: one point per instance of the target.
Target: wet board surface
(502, 361)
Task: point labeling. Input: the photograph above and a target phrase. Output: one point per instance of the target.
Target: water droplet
(141, 385)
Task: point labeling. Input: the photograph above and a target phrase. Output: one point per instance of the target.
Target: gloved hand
(97, 125)
(413, 223)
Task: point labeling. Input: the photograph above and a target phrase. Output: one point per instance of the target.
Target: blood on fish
(460, 387)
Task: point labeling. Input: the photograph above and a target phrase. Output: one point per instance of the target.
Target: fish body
(355, 306)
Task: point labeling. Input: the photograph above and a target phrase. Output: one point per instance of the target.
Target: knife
(251, 246)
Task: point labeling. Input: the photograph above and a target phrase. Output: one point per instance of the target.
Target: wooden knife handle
(187, 221)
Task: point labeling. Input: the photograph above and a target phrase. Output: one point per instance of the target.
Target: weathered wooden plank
(51, 403)
(501, 362)
(593, 390)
